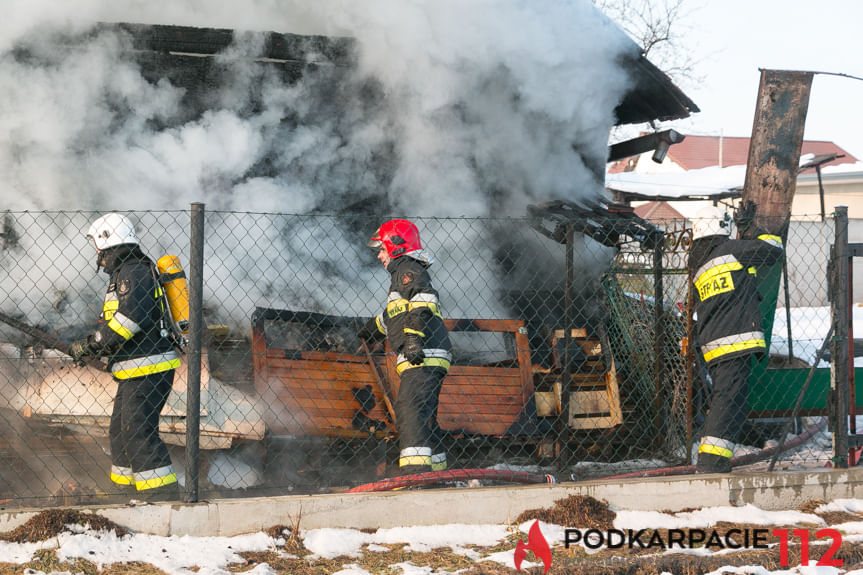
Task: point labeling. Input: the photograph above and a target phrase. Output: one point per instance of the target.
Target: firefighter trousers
(138, 455)
(729, 398)
(416, 414)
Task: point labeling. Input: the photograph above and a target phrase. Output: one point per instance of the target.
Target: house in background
(692, 177)
(703, 169)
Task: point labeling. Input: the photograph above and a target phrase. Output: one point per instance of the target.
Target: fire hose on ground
(747, 459)
(771, 452)
(451, 475)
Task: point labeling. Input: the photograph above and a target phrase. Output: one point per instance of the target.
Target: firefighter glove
(413, 349)
(744, 216)
(79, 350)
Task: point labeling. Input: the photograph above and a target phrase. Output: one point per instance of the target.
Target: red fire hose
(735, 462)
(432, 477)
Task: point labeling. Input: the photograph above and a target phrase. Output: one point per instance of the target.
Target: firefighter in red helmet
(413, 323)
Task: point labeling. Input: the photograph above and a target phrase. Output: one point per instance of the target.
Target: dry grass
(46, 560)
(579, 511)
(291, 535)
(52, 522)
(573, 560)
(584, 512)
(830, 517)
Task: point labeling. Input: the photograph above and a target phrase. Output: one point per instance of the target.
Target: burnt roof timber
(652, 97)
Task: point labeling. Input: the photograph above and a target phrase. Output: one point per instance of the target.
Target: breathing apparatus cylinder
(173, 280)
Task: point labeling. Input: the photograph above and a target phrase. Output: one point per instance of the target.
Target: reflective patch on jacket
(714, 277)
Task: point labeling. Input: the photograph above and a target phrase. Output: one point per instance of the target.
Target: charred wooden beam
(774, 151)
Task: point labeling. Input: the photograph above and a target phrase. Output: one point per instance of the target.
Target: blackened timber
(209, 41)
(653, 95)
(774, 151)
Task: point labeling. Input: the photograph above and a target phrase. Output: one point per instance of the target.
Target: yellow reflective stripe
(732, 347)
(147, 369)
(156, 482)
(118, 327)
(379, 324)
(715, 450)
(415, 460)
(122, 479)
(414, 332)
(427, 362)
(435, 308)
(771, 239)
(397, 307)
(716, 280)
(752, 270)
(109, 307)
(438, 461)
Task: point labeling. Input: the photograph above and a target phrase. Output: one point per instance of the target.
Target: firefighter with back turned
(728, 325)
(413, 323)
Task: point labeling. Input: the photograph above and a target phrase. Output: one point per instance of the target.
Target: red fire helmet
(398, 237)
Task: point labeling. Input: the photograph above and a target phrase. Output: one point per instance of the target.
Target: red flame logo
(536, 543)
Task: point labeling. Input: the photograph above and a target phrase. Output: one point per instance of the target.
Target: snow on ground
(185, 555)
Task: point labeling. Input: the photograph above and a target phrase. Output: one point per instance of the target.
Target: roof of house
(657, 212)
(696, 152)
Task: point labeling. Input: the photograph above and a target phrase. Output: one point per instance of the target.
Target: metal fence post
(566, 375)
(193, 381)
(839, 345)
(658, 340)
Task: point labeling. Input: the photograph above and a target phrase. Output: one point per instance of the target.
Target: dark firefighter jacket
(130, 326)
(728, 321)
(413, 308)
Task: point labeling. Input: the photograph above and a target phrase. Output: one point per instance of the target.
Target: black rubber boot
(409, 470)
(712, 463)
(170, 492)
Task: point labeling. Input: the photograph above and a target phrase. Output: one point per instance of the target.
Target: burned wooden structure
(313, 366)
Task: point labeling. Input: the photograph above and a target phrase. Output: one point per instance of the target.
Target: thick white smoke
(453, 109)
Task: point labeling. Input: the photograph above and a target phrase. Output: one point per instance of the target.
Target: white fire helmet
(711, 221)
(112, 230)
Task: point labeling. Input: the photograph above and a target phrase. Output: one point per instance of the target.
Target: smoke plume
(450, 109)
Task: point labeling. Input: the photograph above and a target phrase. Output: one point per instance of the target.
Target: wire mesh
(556, 364)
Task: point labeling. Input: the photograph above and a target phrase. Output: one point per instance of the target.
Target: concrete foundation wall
(497, 505)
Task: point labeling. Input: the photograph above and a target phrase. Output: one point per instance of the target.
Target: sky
(177, 555)
(731, 40)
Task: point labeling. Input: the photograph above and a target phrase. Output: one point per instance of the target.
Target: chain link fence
(571, 353)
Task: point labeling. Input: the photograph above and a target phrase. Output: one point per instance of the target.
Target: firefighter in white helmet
(131, 334)
(728, 326)
(413, 323)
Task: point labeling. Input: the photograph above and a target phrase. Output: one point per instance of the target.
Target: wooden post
(774, 149)
(771, 177)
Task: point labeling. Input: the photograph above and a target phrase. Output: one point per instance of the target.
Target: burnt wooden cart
(317, 380)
